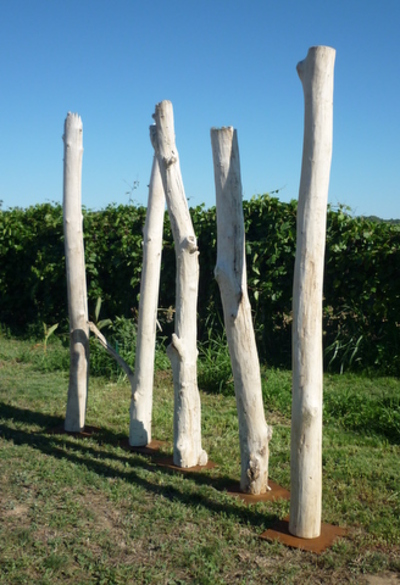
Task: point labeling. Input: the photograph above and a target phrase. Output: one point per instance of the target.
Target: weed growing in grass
(55, 358)
(48, 332)
(343, 354)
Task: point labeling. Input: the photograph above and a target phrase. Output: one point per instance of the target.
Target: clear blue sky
(220, 62)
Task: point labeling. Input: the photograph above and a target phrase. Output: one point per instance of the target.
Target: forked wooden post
(76, 276)
(142, 387)
(188, 451)
(316, 75)
(230, 272)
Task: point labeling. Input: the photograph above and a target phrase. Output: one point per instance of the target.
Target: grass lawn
(87, 511)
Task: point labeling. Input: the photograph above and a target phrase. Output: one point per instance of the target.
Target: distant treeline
(379, 219)
(361, 291)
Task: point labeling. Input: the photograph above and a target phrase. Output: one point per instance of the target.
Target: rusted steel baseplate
(88, 431)
(153, 451)
(276, 492)
(280, 532)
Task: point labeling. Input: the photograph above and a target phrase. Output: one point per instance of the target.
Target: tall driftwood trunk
(316, 75)
(188, 451)
(230, 272)
(76, 276)
(142, 390)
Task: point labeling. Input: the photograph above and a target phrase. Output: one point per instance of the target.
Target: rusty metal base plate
(169, 463)
(153, 451)
(275, 493)
(280, 532)
(88, 431)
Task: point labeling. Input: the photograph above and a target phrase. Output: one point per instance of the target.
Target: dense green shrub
(113, 255)
(362, 279)
(32, 271)
(362, 292)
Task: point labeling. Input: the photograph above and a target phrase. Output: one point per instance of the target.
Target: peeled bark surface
(76, 276)
(230, 272)
(142, 387)
(182, 352)
(316, 75)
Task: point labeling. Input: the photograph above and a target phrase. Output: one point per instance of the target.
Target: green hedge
(362, 276)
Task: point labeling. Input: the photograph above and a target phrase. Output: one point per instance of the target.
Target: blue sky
(220, 62)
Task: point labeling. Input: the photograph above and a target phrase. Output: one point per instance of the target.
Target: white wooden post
(142, 389)
(182, 351)
(76, 276)
(230, 272)
(316, 75)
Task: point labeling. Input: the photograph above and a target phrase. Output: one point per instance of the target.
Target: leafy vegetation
(87, 510)
(362, 280)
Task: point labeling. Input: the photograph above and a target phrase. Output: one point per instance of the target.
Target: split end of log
(73, 130)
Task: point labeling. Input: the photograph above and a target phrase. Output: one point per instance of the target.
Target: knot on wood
(310, 413)
(190, 244)
(168, 162)
(253, 471)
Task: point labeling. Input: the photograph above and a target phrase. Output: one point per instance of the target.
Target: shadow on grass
(24, 415)
(80, 452)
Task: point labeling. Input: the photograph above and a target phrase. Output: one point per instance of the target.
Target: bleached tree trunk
(76, 276)
(142, 394)
(230, 272)
(182, 351)
(316, 75)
